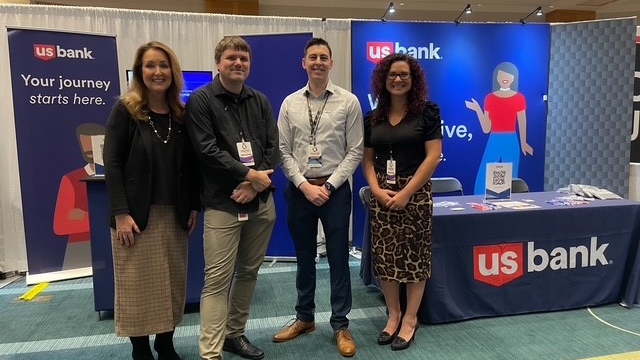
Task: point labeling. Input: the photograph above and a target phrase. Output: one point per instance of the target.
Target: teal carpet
(60, 323)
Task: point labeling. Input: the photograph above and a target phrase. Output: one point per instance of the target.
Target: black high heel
(400, 343)
(385, 338)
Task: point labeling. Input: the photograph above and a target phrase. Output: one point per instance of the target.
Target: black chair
(519, 186)
(446, 186)
(365, 195)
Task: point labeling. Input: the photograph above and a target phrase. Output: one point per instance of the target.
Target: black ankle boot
(164, 347)
(141, 348)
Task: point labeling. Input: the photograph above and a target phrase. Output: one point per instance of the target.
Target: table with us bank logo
(504, 261)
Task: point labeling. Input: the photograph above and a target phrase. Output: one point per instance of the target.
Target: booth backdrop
(193, 37)
(459, 63)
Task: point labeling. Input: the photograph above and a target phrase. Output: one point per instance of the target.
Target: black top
(165, 173)
(215, 120)
(405, 140)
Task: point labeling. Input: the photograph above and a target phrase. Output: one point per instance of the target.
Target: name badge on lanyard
(245, 153)
(314, 156)
(391, 171)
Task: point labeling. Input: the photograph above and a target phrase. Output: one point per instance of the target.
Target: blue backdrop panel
(59, 81)
(276, 70)
(459, 62)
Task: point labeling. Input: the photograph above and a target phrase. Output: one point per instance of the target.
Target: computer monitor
(193, 79)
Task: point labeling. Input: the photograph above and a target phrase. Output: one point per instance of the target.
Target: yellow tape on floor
(33, 292)
(635, 355)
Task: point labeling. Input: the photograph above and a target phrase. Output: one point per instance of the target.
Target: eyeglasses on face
(403, 76)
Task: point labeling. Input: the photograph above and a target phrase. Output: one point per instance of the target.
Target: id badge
(314, 156)
(391, 171)
(245, 153)
(243, 217)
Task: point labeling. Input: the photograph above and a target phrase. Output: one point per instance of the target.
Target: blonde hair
(135, 99)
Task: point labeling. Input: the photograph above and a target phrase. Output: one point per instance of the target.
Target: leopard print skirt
(401, 240)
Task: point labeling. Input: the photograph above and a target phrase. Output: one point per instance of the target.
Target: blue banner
(285, 52)
(462, 64)
(64, 86)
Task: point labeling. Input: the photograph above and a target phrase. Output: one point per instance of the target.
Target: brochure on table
(498, 181)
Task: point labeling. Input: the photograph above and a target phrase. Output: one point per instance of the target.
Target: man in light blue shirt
(321, 144)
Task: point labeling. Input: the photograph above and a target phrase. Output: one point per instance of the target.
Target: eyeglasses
(403, 76)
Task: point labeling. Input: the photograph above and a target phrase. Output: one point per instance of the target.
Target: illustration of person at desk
(71, 217)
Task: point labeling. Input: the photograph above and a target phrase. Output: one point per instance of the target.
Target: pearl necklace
(156, 131)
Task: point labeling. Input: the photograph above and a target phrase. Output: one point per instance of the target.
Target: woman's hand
(398, 202)
(125, 227)
(473, 105)
(193, 220)
(384, 196)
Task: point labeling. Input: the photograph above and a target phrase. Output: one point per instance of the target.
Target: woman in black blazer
(154, 195)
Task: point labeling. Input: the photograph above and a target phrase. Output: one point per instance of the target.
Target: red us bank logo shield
(377, 50)
(44, 52)
(498, 264)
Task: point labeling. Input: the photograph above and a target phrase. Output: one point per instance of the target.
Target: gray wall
(590, 104)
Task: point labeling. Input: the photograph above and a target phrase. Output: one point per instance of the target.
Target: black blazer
(127, 159)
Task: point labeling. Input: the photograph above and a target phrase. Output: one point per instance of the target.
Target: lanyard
(314, 122)
(391, 141)
(235, 107)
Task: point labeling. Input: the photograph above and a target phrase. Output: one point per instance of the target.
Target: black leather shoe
(400, 343)
(385, 338)
(243, 348)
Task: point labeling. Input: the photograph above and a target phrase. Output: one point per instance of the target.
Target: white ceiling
(486, 10)
(438, 10)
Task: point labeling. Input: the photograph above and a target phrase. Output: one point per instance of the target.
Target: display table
(504, 261)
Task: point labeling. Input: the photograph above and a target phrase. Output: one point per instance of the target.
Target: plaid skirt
(401, 240)
(151, 277)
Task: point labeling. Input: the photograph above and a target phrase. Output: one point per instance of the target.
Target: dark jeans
(302, 219)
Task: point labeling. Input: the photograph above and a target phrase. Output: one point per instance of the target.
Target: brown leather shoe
(346, 345)
(292, 331)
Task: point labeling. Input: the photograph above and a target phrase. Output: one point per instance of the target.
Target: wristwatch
(329, 186)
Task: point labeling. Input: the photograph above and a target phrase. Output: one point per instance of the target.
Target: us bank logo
(46, 52)
(377, 50)
(500, 264)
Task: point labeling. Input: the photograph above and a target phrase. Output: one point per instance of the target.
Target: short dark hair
(231, 42)
(317, 41)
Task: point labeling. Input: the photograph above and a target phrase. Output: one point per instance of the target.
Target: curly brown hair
(417, 96)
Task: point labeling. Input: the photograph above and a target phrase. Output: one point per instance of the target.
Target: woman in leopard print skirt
(403, 143)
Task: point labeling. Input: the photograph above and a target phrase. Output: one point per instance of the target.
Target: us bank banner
(64, 86)
(472, 70)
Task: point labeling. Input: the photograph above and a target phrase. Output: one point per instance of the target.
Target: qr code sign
(499, 177)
